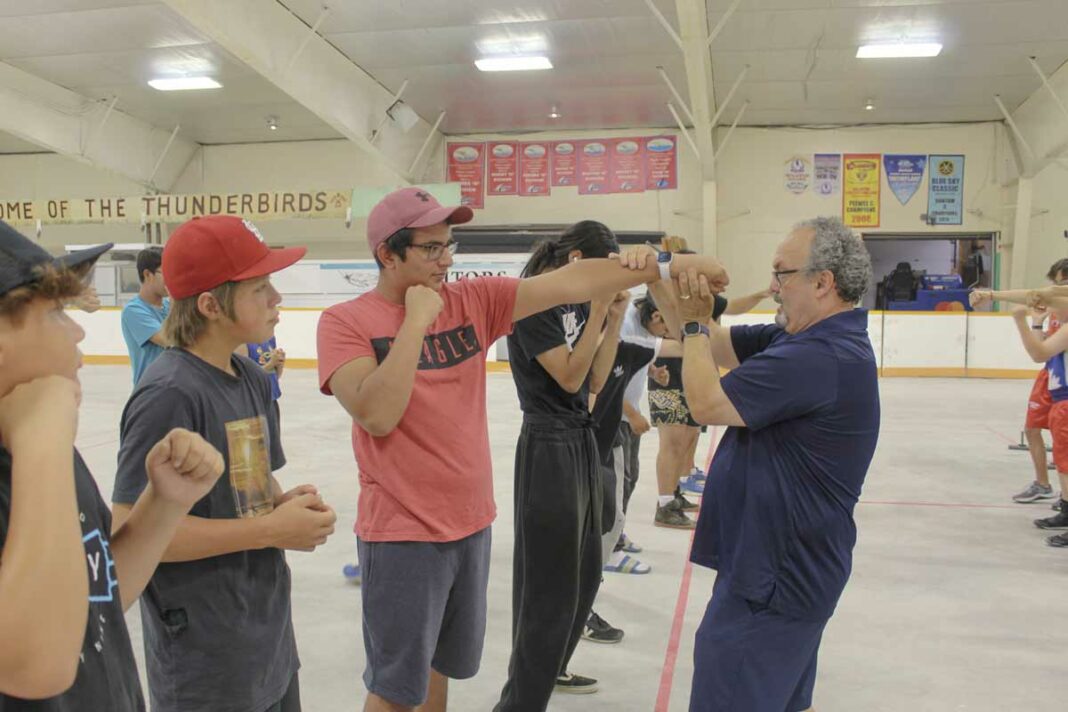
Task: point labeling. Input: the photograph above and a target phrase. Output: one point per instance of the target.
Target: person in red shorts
(1051, 351)
(1039, 402)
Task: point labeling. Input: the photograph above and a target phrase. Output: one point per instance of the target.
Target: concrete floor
(953, 603)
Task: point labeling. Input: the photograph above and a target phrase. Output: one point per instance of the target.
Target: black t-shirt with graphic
(631, 358)
(107, 674)
(539, 393)
(218, 631)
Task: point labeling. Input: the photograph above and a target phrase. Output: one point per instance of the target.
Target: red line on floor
(667, 675)
(1009, 440)
(948, 505)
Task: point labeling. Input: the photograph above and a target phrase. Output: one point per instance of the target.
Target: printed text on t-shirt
(442, 350)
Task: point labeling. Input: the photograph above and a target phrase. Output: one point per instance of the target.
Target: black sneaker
(575, 684)
(1056, 506)
(1057, 521)
(598, 630)
(1058, 540)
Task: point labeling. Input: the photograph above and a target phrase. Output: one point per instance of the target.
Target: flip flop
(628, 565)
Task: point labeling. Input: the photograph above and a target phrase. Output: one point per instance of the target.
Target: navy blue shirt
(777, 521)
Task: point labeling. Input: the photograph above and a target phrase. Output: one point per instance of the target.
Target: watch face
(691, 328)
(663, 257)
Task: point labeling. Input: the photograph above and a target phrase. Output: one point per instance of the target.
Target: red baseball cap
(410, 207)
(204, 253)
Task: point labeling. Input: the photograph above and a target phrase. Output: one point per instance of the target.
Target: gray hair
(840, 251)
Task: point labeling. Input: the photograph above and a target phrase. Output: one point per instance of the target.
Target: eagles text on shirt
(442, 350)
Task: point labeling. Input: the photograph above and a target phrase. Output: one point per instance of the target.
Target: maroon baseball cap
(410, 207)
(204, 253)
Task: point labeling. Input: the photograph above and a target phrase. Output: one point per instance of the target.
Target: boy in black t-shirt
(216, 617)
(65, 580)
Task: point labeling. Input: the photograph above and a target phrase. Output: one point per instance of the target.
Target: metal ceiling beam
(693, 28)
(1042, 119)
(279, 45)
(1012, 125)
(722, 22)
(1045, 82)
(89, 131)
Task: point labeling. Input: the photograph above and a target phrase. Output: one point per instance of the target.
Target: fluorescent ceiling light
(512, 64)
(183, 83)
(900, 49)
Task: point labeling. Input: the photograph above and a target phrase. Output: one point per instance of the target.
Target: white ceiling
(801, 54)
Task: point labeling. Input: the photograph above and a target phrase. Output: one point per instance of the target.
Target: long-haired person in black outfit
(558, 357)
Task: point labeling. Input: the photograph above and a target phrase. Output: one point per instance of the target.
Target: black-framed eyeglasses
(433, 250)
(779, 274)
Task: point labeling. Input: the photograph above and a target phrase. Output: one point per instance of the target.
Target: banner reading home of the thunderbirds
(263, 205)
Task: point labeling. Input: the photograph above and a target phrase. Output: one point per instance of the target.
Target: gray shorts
(424, 606)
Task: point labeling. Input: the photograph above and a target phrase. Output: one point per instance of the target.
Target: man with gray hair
(802, 403)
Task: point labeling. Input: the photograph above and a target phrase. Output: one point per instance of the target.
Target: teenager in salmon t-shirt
(407, 362)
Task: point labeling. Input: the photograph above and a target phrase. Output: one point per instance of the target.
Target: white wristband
(665, 270)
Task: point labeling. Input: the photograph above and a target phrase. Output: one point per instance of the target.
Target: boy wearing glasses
(407, 362)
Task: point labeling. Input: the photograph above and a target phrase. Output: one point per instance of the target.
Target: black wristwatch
(694, 328)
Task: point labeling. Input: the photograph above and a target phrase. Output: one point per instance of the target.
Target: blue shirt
(1058, 385)
(777, 520)
(261, 353)
(140, 322)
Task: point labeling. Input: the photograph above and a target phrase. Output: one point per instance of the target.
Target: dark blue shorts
(749, 658)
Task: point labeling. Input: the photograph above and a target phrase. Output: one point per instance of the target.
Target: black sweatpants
(631, 442)
(556, 569)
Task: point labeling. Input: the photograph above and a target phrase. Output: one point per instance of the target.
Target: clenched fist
(422, 304)
(183, 467)
(42, 407)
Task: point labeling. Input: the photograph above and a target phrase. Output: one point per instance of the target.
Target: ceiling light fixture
(183, 83)
(272, 123)
(513, 64)
(869, 105)
(554, 113)
(899, 50)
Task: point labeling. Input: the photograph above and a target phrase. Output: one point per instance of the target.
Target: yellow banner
(177, 208)
(860, 189)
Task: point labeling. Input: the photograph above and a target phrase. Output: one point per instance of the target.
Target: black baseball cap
(20, 257)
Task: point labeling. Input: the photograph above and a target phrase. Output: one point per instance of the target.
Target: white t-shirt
(633, 331)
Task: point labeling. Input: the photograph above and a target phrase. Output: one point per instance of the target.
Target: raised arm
(667, 303)
(570, 368)
(377, 394)
(44, 587)
(605, 358)
(582, 281)
(182, 468)
(1039, 348)
(708, 402)
(1054, 297)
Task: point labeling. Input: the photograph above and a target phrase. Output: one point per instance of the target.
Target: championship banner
(798, 175)
(827, 169)
(138, 209)
(627, 166)
(860, 191)
(467, 166)
(593, 167)
(564, 164)
(503, 174)
(661, 163)
(904, 175)
(945, 194)
(534, 169)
